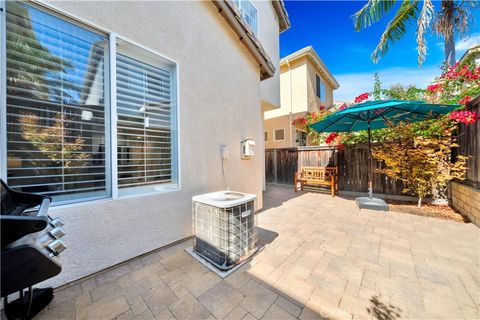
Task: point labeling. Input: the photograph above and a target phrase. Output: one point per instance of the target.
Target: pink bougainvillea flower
(465, 100)
(464, 116)
(342, 107)
(361, 98)
(435, 88)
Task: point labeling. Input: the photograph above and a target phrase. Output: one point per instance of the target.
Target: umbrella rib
(350, 129)
(416, 112)
(386, 121)
(343, 116)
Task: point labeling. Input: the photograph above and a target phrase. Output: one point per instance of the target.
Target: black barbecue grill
(29, 250)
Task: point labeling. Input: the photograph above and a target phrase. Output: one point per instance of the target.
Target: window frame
(265, 136)
(275, 136)
(239, 6)
(111, 158)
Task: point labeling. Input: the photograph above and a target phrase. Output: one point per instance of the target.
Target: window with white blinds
(55, 115)
(145, 124)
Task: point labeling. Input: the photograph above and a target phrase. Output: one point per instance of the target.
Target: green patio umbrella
(377, 115)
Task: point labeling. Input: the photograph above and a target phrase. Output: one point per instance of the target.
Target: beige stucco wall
(219, 104)
(313, 101)
(297, 92)
(295, 100)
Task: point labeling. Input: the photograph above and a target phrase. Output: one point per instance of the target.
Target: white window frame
(275, 137)
(238, 3)
(110, 102)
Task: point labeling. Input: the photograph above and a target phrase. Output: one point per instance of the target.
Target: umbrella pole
(369, 172)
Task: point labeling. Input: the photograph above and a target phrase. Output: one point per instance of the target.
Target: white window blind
(145, 110)
(55, 105)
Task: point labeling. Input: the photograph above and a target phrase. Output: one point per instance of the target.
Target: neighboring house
(471, 55)
(305, 85)
(118, 110)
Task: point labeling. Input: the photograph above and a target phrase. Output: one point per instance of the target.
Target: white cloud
(463, 45)
(353, 84)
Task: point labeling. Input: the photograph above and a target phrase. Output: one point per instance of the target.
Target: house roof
(310, 53)
(245, 34)
(468, 54)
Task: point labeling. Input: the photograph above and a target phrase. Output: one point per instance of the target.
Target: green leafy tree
(419, 155)
(453, 17)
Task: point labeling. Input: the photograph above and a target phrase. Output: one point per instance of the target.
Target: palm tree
(452, 17)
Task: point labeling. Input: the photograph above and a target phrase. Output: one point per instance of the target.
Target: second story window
(249, 14)
(319, 88)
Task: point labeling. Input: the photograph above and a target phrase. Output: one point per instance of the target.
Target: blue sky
(327, 25)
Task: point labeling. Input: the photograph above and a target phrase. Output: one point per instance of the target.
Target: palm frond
(423, 22)
(371, 12)
(396, 28)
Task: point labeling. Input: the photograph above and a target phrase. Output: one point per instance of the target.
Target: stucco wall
(268, 26)
(282, 122)
(219, 104)
(313, 101)
(294, 100)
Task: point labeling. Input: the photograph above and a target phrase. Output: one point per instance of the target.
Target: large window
(145, 109)
(249, 14)
(62, 131)
(55, 115)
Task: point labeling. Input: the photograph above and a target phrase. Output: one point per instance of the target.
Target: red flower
(341, 147)
(434, 88)
(342, 107)
(362, 97)
(322, 108)
(464, 116)
(331, 137)
(465, 100)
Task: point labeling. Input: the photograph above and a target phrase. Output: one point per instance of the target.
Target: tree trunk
(449, 36)
(419, 204)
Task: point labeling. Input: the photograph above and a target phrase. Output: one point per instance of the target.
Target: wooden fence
(281, 165)
(469, 145)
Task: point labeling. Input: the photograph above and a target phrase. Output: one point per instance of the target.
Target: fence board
(469, 145)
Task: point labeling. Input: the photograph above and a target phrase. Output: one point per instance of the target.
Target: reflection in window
(145, 127)
(55, 105)
(249, 14)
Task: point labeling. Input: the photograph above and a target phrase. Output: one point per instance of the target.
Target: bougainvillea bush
(423, 147)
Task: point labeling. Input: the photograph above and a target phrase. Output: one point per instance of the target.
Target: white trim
(274, 137)
(3, 92)
(50, 6)
(112, 47)
(177, 96)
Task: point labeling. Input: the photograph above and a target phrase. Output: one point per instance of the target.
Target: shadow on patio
(323, 258)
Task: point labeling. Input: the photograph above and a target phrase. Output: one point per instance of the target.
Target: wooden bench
(318, 176)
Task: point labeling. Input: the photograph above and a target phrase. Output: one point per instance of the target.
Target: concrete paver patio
(322, 258)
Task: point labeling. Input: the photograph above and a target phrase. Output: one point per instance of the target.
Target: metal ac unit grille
(224, 236)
